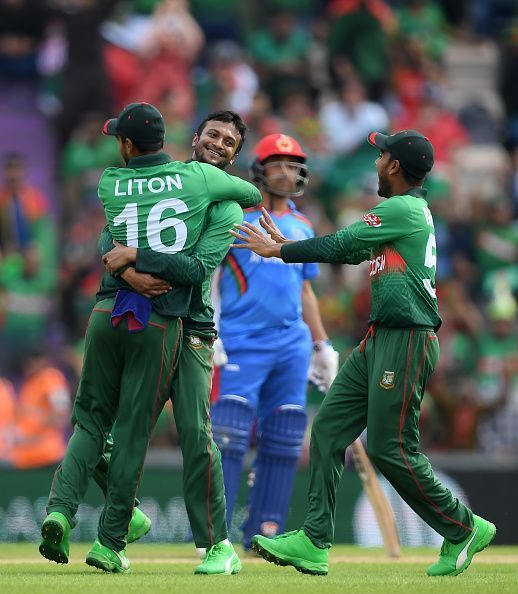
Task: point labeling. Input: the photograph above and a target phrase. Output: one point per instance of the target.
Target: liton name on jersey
(155, 185)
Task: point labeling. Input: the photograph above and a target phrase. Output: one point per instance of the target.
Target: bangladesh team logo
(372, 220)
(388, 380)
(195, 342)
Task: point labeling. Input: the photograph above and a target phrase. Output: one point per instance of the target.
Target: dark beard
(383, 188)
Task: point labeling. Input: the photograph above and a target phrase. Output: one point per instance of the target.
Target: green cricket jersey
(160, 204)
(398, 237)
(197, 269)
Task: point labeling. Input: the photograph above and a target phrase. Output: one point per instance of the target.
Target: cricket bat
(380, 505)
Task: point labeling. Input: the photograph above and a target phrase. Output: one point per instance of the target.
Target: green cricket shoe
(107, 559)
(55, 533)
(455, 558)
(220, 559)
(139, 526)
(295, 549)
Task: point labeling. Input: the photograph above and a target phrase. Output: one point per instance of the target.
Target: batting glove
(323, 366)
(220, 355)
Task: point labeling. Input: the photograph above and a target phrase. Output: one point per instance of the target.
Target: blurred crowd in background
(325, 72)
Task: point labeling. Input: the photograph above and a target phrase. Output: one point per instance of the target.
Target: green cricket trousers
(380, 386)
(203, 485)
(124, 384)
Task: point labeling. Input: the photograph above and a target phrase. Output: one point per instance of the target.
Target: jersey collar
(417, 192)
(149, 160)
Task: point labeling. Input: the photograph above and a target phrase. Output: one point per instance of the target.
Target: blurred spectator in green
(83, 159)
(424, 21)
(223, 19)
(26, 292)
(25, 216)
(497, 373)
(359, 36)
(81, 270)
(497, 238)
(279, 53)
(144, 6)
(177, 109)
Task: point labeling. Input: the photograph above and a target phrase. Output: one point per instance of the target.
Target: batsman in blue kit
(272, 332)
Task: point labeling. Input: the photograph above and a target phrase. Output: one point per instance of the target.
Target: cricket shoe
(55, 533)
(295, 549)
(220, 559)
(139, 526)
(107, 559)
(455, 558)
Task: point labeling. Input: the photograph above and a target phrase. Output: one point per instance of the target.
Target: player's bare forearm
(311, 313)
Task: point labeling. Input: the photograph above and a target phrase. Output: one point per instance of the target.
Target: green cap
(413, 150)
(141, 122)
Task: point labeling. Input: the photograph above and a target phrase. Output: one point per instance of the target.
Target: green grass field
(169, 568)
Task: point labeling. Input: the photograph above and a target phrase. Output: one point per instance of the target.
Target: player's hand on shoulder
(323, 366)
(220, 355)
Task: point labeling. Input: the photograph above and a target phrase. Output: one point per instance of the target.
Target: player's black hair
(229, 117)
(146, 147)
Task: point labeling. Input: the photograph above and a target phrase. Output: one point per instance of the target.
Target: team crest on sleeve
(388, 380)
(372, 220)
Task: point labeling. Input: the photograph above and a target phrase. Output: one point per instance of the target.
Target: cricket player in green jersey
(382, 383)
(217, 141)
(132, 345)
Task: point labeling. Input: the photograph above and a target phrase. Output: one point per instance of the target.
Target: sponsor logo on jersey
(372, 220)
(388, 380)
(387, 260)
(377, 265)
(195, 342)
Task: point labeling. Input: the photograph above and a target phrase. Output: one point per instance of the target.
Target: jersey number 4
(155, 225)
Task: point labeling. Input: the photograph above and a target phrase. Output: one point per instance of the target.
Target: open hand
(119, 256)
(254, 239)
(270, 227)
